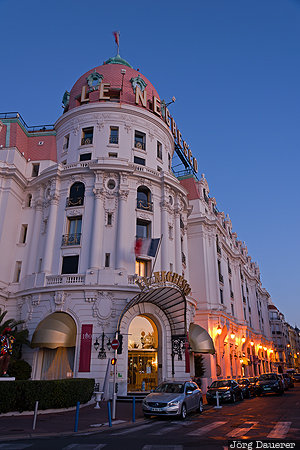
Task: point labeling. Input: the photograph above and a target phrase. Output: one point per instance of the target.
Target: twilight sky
(234, 68)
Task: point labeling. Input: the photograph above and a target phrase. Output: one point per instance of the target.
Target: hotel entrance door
(142, 355)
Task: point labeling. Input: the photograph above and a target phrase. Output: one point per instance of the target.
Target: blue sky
(234, 68)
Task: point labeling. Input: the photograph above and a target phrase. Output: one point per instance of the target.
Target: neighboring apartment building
(102, 240)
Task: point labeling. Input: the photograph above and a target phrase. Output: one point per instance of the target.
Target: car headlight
(176, 403)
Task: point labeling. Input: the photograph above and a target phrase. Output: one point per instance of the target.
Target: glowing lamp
(252, 343)
(243, 339)
(232, 335)
(219, 330)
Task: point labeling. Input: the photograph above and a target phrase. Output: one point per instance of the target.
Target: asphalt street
(270, 417)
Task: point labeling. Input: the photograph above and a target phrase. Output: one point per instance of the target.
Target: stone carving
(74, 212)
(144, 216)
(99, 125)
(59, 298)
(91, 297)
(36, 299)
(127, 127)
(103, 306)
(138, 81)
(25, 309)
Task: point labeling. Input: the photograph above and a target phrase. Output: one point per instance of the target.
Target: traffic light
(120, 348)
(113, 361)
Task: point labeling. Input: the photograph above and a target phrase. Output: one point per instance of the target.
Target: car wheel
(183, 412)
(200, 406)
(233, 398)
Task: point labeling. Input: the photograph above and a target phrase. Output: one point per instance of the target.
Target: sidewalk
(20, 425)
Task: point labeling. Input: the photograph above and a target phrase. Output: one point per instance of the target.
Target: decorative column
(50, 234)
(97, 230)
(34, 238)
(121, 243)
(178, 253)
(165, 263)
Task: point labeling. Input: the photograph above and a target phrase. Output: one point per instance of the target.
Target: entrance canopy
(170, 300)
(57, 330)
(200, 340)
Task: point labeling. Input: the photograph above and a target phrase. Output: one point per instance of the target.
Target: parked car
(268, 383)
(229, 390)
(296, 377)
(173, 399)
(248, 389)
(288, 379)
(253, 381)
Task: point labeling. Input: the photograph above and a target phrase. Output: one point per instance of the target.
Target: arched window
(76, 197)
(144, 198)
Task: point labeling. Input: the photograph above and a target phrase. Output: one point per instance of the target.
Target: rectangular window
(245, 316)
(159, 150)
(171, 267)
(73, 235)
(142, 267)
(109, 219)
(143, 228)
(66, 142)
(139, 161)
(221, 296)
(17, 274)
(221, 279)
(107, 259)
(70, 264)
(140, 140)
(35, 170)
(232, 309)
(114, 135)
(113, 155)
(85, 157)
(169, 161)
(23, 234)
(87, 136)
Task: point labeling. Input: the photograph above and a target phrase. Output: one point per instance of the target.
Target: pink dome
(110, 72)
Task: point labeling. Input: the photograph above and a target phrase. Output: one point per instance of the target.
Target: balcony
(113, 139)
(74, 201)
(71, 239)
(142, 204)
(73, 279)
(140, 145)
(86, 141)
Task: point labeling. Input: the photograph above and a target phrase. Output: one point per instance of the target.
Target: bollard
(35, 414)
(109, 414)
(218, 401)
(76, 417)
(133, 409)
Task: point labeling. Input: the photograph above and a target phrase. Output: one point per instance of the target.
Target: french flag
(146, 247)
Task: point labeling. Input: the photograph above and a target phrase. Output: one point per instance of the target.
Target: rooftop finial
(117, 39)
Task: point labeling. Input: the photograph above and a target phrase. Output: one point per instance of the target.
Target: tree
(21, 335)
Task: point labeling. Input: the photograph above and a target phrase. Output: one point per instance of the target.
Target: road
(270, 417)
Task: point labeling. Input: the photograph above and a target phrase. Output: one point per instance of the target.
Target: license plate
(156, 409)
(267, 389)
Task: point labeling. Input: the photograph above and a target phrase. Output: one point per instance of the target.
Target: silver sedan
(173, 398)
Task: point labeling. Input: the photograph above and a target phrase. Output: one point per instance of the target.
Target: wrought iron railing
(16, 115)
(113, 139)
(141, 204)
(71, 239)
(74, 201)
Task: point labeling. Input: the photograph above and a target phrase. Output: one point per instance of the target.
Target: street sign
(115, 344)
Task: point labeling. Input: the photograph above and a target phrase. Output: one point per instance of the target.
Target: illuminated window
(142, 267)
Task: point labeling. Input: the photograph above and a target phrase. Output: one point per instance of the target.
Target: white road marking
(14, 446)
(280, 430)
(115, 422)
(165, 430)
(133, 429)
(206, 429)
(84, 446)
(162, 447)
(241, 431)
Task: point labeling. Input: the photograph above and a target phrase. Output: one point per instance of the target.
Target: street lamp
(232, 335)
(219, 330)
(252, 343)
(102, 352)
(243, 339)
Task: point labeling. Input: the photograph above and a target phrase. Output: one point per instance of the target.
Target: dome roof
(117, 72)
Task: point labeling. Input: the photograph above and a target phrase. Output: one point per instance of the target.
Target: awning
(57, 330)
(170, 300)
(200, 341)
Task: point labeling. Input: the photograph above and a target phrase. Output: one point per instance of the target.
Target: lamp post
(102, 352)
